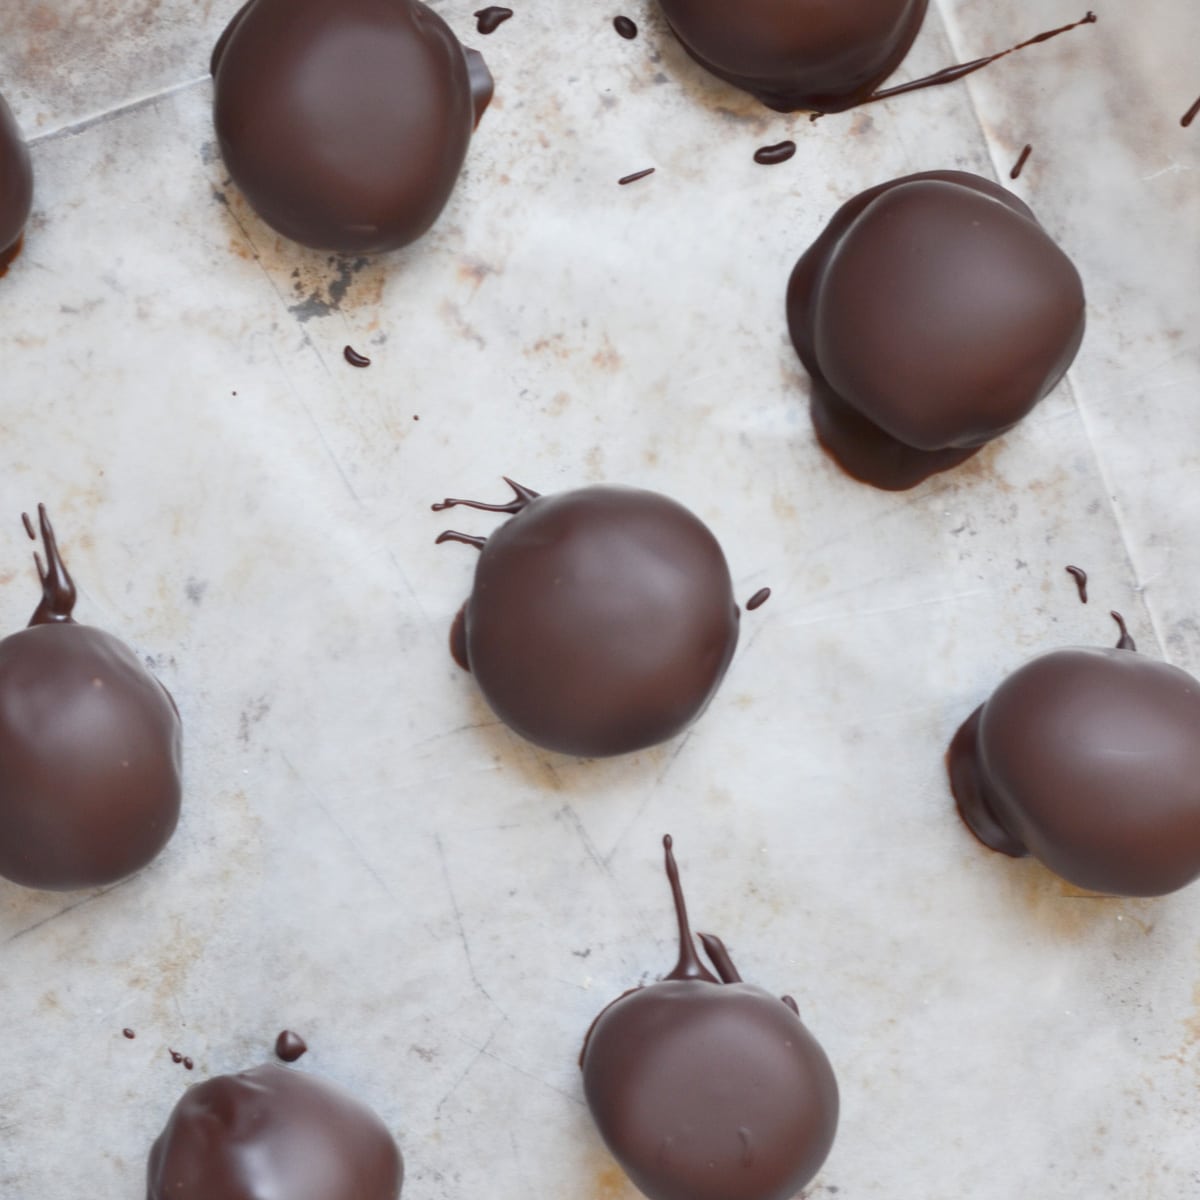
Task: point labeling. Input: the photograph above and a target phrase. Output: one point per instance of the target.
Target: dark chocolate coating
(345, 124)
(794, 54)
(601, 621)
(90, 750)
(707, 1089)
(16, 184)
(1088, 759)
(272, 1134)
(932, 313)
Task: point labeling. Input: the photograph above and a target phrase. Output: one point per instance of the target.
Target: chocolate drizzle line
(689, 965)
(355, 359)
(58, 589)
(780, 152)
(625, 27)
(1015, 173)
(758, 599)
(1189, 116)
(719, 957)
(961, 70)
(488, 20)
(1126, 642)
(522, 497)
(635, 176)
(1080, 577)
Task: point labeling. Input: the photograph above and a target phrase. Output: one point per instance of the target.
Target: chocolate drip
(58, 588)
(290, 1046)
(483, 86)
(961, 70)
(1126, 642)
(1080, 577)
(1189, 116)
(488, 20)
(791, 1003)
(355, 359)
(780, 152)
(523, 496)
(688, 965)
(719, 957)
(636, 176)
(1019, 165)
(625, 27)
(466, 539)
(758, 599)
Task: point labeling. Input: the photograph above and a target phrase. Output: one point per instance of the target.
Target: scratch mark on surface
(62, 912)
(462, 929)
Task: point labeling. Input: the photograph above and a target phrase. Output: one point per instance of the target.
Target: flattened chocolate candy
(346, 124)
(933, 313)
(708, 1089)
(794, 54)
(1088, 759)
(16, 186)
(273, 1134)
(601, 621)
(90, 748)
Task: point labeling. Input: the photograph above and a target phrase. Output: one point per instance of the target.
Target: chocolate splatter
(1126, 642)
(355, 359)
(488, 20)
(625, 27)
(780, 152)
(758, 599)
(1080, 577)
(1019, 165)
(635, 176)
(290, 1046)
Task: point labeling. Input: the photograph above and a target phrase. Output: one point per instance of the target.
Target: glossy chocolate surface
(90, 748)
(273, 1134)
(798, 53)
(1088, 759)
(932, 313)
(346, 125)
(16, 185)
(601, 621)
(707, 1088)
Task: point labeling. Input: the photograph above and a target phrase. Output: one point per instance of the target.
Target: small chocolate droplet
(355, 359)
(625, 27)
(129, 1034)
(488, 20)
(635, 176)
(176, 1057)
(1020, 163)
(187, 1063)
(780, 152)
(758, 599)
(289, 1046)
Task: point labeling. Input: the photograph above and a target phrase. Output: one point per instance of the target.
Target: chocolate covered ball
(798, 53)
(16, 186)
(346, 124)
(707, 1088)
(1088, 759)
(601, 620)
(932, 313)
(273, 1134)
(90, 748)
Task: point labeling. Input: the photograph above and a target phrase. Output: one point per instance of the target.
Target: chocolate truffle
(601, 621)
(16, 186)
(708, 1089)
(272, 1134)
(932, 313)
(1088, 759)
(89, 748)
(346, 124)
(798, 53)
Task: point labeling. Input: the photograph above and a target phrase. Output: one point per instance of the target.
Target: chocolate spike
(719, 957)
(58, 589)
(689, 965)
(467, 539)
(791, 1003)
(523, 497)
